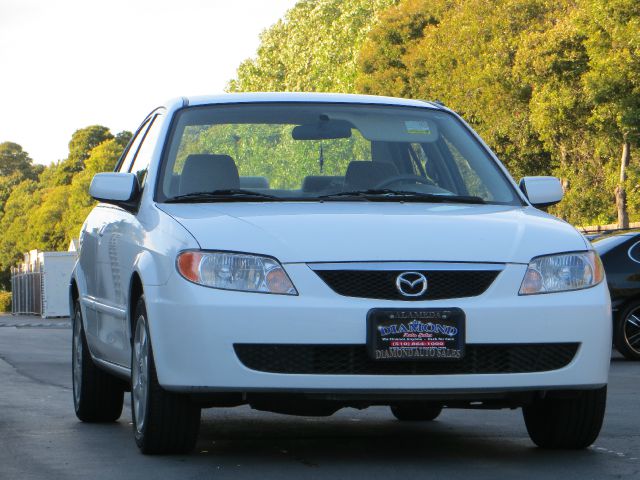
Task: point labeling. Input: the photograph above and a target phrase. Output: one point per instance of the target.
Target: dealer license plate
(421, 334)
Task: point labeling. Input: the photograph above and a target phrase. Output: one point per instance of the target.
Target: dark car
(620, 253)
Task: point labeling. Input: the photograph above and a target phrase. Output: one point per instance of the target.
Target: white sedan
(303, 253)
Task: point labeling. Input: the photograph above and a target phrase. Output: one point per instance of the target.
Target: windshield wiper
(228, 195)
(382, 195)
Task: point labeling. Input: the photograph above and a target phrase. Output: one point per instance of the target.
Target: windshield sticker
(417, 127)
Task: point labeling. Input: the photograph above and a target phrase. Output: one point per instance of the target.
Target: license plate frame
(420, 338)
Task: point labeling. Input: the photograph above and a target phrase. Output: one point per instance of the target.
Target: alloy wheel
(632, 330)
(77, 357)
(140, 373)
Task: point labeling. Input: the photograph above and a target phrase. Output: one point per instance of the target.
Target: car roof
(268, 97)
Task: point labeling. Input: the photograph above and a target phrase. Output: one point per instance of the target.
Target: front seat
(363, 175)
(206, 172)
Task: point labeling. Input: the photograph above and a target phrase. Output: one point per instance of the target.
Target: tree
(451, 52)
(382, 67)
(47, 211)
(313, 49)
(13, 159)
(80, 146)
(14, 226)
(15, 166)
(612, 82)
(78, 203)
(553, 60)
(7, 184)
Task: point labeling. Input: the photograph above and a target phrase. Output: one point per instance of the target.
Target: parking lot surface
(40, 437)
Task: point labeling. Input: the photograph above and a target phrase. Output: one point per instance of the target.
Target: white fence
(26, 292)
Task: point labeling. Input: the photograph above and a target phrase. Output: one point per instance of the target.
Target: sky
(68, 64)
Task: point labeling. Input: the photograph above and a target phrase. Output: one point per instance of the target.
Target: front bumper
(194, 329)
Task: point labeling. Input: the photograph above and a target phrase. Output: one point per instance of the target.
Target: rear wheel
(163, 422)
(570, 422)
(416, 412)
(626, 334)
(97, 396)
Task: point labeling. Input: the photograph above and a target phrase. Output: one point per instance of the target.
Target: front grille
(354, 360)
(381, 284)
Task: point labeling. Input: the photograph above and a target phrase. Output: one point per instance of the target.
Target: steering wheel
(401, 178)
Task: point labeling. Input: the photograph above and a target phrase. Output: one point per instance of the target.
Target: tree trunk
(621, 194)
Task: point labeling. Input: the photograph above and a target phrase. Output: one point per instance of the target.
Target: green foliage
(7, 184)
(13, 159)
(313, 49)
(80, 146)
(440, 50)
(5, 301)
(78, 203)
(15, 227)
(554, 87)
(15, 166)
(612, 81)
(382, 59)
(44, 208)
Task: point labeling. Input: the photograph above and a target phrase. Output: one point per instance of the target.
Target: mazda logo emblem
(411, 284)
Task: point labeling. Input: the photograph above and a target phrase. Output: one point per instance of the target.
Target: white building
(40, 284)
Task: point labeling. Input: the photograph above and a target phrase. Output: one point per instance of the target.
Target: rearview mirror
(117, 188)
(542, 191)
(323, 130)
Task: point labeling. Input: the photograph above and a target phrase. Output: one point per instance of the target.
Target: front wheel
(626, 332)
(568, 420)
(163, 422)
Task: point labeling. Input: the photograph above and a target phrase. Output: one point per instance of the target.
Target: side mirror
(542, 191)
(117, 188)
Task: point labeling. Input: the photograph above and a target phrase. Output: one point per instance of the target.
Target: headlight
(235, 271)
(563, 272)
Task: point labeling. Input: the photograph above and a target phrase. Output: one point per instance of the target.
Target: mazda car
(303, 253)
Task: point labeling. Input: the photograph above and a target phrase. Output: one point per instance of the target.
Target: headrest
(206, 173)
(362, 175)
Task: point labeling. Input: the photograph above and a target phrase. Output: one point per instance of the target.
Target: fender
(77, 276)
(152, 269)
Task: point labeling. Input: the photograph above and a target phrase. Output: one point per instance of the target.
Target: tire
(572, 422)
(97, 396)
(626, 332)
(416, 412)
(163, 422)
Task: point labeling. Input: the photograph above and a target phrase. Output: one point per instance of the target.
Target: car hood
(375, 231)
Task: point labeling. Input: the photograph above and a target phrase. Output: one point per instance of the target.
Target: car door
(103, 281)
(121, 240)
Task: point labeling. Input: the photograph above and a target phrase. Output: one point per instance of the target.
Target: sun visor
(393, 128)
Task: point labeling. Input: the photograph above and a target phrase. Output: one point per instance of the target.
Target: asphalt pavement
(40, 437)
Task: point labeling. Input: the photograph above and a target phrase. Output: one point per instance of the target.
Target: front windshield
(322, 151)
